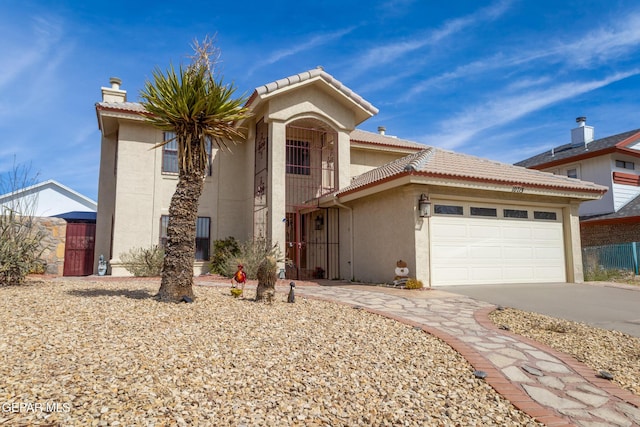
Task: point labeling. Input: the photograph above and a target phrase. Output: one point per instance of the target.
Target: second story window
(170, 155)
(572, 173)
(298, 161)
(625, 165)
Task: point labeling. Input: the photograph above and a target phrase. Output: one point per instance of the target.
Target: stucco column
(573, 247)
(344, 159)
(276, 194)
(422, 242)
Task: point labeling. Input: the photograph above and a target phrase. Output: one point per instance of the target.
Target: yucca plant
(194, 104)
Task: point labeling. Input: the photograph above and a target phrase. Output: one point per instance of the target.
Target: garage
(479, 243)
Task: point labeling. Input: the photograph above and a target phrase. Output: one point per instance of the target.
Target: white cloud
(589, 49)
(503, 109)
(23, 51)
(313, 42)
(385, 54)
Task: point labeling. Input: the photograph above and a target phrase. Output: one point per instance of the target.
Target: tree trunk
(177, 269)
(267, 276)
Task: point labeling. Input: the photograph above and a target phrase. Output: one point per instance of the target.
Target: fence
(622, 256)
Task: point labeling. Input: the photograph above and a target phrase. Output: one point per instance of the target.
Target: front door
(79, 249)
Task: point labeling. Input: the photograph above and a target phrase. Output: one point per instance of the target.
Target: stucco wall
(384, 232)
(365, 160)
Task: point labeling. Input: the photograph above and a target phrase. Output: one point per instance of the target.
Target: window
(484, 211)
(625, 165)
(572, 173)
(515, 213)
(448, 210)
(203, 229)
(298, 161)
(170, 155)
(545, 215)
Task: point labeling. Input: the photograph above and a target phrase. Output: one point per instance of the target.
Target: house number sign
(518, 189)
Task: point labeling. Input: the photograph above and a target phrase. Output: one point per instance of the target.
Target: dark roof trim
(587, 155)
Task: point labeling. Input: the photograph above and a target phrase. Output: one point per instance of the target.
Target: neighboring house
(67, 219)
(340, 202)
(48, 198)
(613, 162)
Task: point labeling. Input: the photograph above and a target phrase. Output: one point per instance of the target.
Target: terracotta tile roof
(308, 75)
(438, 163)
(565, 153)
(131, 107)
(361, 136)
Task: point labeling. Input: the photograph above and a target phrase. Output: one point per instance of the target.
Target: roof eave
(430, 178)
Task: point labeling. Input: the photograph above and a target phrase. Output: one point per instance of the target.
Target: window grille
(298, 160)
(203, 239)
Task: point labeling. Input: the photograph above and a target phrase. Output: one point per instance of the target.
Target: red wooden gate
(79, 249)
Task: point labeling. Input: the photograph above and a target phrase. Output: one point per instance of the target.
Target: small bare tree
(20, 238)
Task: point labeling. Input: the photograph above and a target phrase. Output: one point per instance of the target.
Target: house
(342, 203)
(67, 220)
(613, 162)
(46, 199)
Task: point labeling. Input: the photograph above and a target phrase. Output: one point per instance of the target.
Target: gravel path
(83, 353)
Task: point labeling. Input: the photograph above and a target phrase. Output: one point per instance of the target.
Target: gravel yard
(89, 353)
(612, 351)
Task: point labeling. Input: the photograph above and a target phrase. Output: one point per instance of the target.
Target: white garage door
(486, 244)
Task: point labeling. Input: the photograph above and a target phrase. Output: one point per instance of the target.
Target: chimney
(583, 134)
(114, 93)
(382, 130)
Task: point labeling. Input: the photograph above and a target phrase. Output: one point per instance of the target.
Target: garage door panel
(450, 252)
(517, 233)
(471, 250)
(450, 273)
(513, 253)
(483, 231)
(485, 273)
(515, 273)
(486, 252)
(452, 231)
(550, 253)
(552, 232)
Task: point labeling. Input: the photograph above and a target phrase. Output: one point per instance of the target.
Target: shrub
(250, 254)
(414, 284)
(20, 247)
(20, 236)
(222, 251)
(143, 262)
(599, 274)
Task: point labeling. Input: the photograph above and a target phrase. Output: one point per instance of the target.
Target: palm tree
(199, 109)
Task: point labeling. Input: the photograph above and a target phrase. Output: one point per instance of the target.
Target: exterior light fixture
(319, 222)
(424, 206)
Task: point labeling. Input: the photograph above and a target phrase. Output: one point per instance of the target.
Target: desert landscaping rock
(611, 351)
(108, 353)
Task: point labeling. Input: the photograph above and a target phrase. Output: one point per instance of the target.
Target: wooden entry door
(79, 249)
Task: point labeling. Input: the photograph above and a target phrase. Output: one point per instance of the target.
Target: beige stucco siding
(365, 160)
(384, 232)
(106, 197)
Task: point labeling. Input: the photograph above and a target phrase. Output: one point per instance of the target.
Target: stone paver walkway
(550, 386)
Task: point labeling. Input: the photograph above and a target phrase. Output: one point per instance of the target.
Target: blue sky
(500, 79)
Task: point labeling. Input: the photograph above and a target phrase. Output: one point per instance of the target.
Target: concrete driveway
(606, 306)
